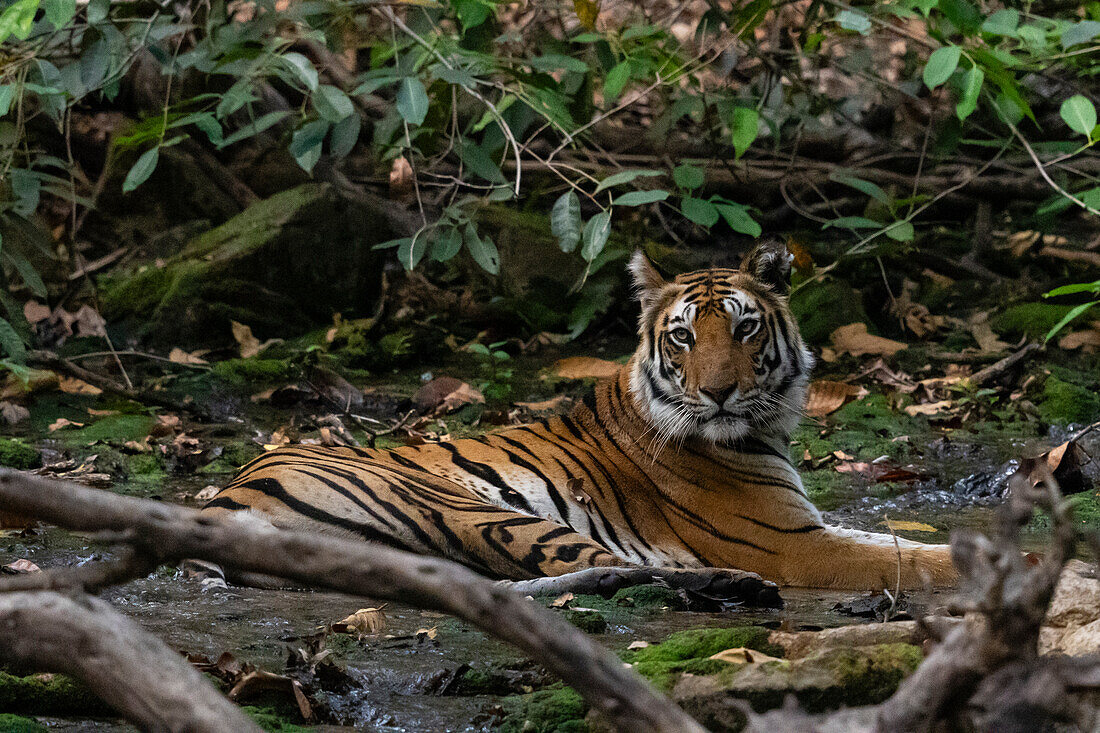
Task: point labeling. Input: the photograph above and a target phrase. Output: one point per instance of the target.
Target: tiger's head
(720, 355)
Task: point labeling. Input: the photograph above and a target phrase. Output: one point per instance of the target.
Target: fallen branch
(173, 533)
(998, 368)
(128, 668)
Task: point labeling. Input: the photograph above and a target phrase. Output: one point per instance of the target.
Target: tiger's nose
(720, 394)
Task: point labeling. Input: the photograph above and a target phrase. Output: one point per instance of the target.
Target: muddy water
(399, 674)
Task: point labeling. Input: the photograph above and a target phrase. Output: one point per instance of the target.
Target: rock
(799, 644)
(280, 267)
(1072, 625)
(824, 680)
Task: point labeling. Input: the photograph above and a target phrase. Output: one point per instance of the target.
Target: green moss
(827, 488)
(270, 720)
(591, 622)
(17, 454)
(1064, 402)
(146, 464)
(254, 371)
(238, 454)
(1030, 319)
(554, 710)
(650, 597)
(823, 307)
(17, 724)
(114, 429)
(689, 652)
(48, 694)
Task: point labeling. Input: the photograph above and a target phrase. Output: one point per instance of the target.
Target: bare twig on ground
(998, 368)
(128, 668)
(358, 568)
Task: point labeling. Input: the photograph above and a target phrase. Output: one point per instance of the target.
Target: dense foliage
(476, 101)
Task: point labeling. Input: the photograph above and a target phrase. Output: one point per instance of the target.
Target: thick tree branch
(358, 568)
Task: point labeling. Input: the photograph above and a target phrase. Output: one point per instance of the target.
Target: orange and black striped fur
(680, 460)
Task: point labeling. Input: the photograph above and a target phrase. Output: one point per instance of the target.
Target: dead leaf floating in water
(364, 621)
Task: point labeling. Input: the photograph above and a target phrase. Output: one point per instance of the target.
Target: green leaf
(744, 128)
(345, 134)
(98, 10)
(17, 19)
(688, 176)
(853, 222)
(461, 77)
(7, 94)
(306, 142)
(737, 216)
(625, 177)
(871, 189)
(142, 169)
(255, 128)
(595, 235)
(59, 12)
(853, 20)
(1079, 114)
(565, 221)
(30, 276)
(26, 188)
(412, 250)
(972, 87)
(448, 242)
(1093, 287)
(640, 198)
(472, 13)
(1007, 109)
(332, 104)
(616, 80)
(900, 231)
(1002, 23)
(700, 211)
(13, 345)
(941, 65)
(412, 100)
(483, 251)
(555, 61)
(963, 15)
(478, 161)
(301, 68)
(1074, 313)
(1082, 32)
(94, 63)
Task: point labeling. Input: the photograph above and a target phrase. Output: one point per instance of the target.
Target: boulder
(283, 265)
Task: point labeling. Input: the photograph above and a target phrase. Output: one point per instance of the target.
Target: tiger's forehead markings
(711, 292)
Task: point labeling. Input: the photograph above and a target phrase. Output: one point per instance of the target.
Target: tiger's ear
(770, 263)
(648, 283)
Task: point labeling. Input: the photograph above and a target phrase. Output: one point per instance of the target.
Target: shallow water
(397, 674)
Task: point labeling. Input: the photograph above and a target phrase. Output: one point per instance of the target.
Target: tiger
(679, 460)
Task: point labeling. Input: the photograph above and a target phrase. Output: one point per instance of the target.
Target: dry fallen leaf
(423, 634)
(1088, 339)
(401, 178)
(445, 394)
(249, 345)
(364, 621)
(826, 397)
(929, 408)
(900, 526)
(34, 311)
(63, 423)
(743, 655)
(179, 356)
(853, 339)
(562, 600)
(584, 367)
(639, 644)
(551, 404)
(72, 385)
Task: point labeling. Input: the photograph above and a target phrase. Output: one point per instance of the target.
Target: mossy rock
(830, 679)
(1064, 402)
(281, 266)
(17, 454)
(591, 622)
(18, 724)
(823, 307)
(689, 652)
(555, 710)
(48, 694)
(1029, 319)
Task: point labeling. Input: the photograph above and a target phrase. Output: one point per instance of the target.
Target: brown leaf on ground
(826, 397)
(901, 526)
(855, 340)
(882, 373)
(742, 655)
(551, 404)
(164, 426)
(258, 681)
(426, 634)
(335, 389)
(1066, 462)
(929, 408)
(38, 380)
(72, 385)
(562, 600)
(135, 446)
(445, 394)
(249, 345)
(21, 566)
(12, 413)
(982, 332)
(1087, 340)
(364, 621)
(179, 356)
(638, 644)
(62, 422)
(34, 311)
(584, 367)
(877, 471)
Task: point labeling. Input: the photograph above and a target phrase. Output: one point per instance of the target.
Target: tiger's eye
(745, 329)
(682, 335)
